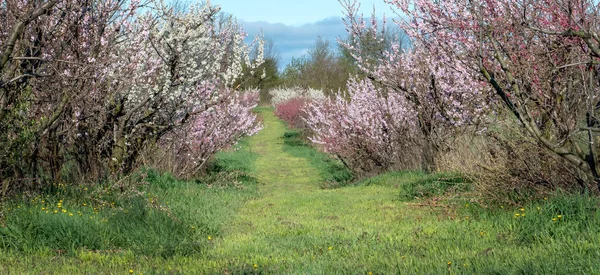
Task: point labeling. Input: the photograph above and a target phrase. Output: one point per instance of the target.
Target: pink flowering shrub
(441, 96)
(190, 148)
(371, 132)
(290, 103)
(538, 58)
(292, 111)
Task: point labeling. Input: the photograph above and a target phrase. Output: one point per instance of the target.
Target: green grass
(101, 227)
(420, 185)
(274, 217)
(333, 173)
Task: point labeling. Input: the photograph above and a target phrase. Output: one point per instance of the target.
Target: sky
(294, 25)
(291, 12)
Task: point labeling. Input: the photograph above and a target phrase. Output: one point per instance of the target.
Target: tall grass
(153, 215)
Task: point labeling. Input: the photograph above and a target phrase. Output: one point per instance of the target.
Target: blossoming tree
(539, 57)
(90, 84)
(438, 95)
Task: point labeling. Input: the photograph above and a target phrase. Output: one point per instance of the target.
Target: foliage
(292, 112)
(440, 100)
(264, 77)
(370, 133)
(87, 86)
(321, 68)
(539, 57)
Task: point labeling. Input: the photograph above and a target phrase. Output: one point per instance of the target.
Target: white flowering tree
(183, 66)
(283, 94)
(90, 84)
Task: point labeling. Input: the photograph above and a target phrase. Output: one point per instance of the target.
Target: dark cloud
(294, 41)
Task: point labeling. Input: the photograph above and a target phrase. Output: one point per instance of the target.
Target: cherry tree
(210, 131)
(539, 57)
(54, 56)
(187, 61)
(444, 95)
(283, 94)
(369, 133)
(91, 84)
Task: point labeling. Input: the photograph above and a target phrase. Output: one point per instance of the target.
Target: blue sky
(293, 25)
(291, 12)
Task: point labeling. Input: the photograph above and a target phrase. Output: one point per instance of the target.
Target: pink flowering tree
(192, 146)
(290, 103)
(539, 57)
(370, 133)
(91, 84)
(441, 95)
(187, 64)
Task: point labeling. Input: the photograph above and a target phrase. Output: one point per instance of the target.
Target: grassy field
(289, 209)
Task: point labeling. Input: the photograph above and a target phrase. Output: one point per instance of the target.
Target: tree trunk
(428, 155)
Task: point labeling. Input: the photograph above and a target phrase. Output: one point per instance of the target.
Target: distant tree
(266, 76)
(321, 68)
(373, 43)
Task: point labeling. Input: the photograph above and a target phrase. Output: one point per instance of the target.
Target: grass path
(296, 225)
(292, 226)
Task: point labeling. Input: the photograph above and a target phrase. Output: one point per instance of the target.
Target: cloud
(294, 41)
